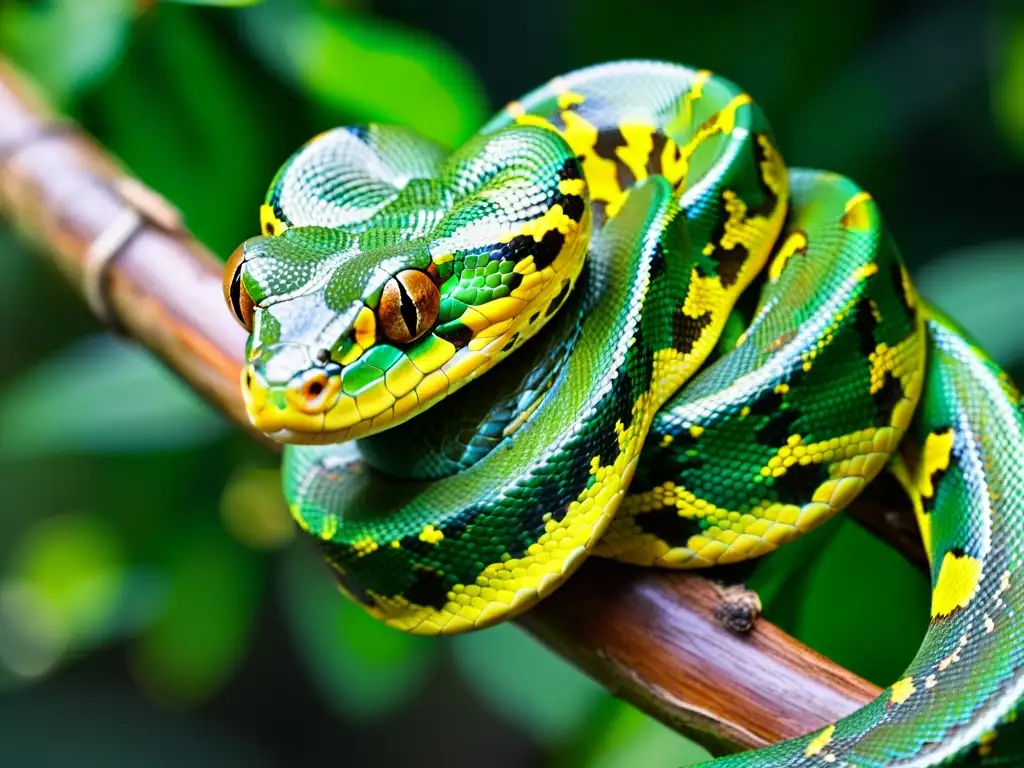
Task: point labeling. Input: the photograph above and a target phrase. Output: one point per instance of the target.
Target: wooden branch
(650, 637)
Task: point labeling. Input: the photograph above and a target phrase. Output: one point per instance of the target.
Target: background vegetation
(154, 606)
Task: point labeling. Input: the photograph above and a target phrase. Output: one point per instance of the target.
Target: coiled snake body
(603, 229)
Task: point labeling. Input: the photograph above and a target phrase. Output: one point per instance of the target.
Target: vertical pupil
(236, 293)
(407, 307)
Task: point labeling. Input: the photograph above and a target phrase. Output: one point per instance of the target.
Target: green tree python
(605, 229)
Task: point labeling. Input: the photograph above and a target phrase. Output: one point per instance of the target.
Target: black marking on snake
(727, 262)
(780, 418)
(275, 206)
(429, 588)
(556, 302)
(886, 398)
(771, 199)
(674, 461)
(608, 141)
(534, 317)
(557, 118)
(865, 324)
(511, 342)
(800, 482)
(573, 206)
(456, 333)
(352, 586)
(657, 261)
(687, 330)
(667, 524)
(544, 252)
(658, 143)
(571, 169)
(639, 357)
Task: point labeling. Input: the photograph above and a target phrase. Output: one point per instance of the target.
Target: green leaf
(198, 640)
(186, 115)
(62, 590)
(1008, 79)
(68, 45)
(987, 301)
(524, 681)
(363, 667)
(632, 739)
(101, 395)
(371, 69)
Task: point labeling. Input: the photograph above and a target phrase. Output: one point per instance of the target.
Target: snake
(695, 354)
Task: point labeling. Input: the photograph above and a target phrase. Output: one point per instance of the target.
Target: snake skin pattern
(601, 234)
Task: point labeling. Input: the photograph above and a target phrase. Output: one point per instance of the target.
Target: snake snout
(314, 391)
(285, 387)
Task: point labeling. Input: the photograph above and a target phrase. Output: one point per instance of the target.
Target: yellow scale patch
(956, 585)
(916, 479)
(902, 690)
(795, 243)
(269, 223)
(430, 534)
(819, 742)
(935, 457)
(601, 172)
(858, 212)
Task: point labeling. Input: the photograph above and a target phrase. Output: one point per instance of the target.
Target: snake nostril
(314, 389)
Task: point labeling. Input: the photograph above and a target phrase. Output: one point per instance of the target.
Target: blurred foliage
(150, 582)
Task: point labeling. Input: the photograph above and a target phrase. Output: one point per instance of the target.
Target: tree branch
(650, 637)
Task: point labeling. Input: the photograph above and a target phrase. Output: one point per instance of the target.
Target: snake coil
(601, 234)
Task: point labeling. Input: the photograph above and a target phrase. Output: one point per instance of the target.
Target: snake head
(336, 333)
(357, 324)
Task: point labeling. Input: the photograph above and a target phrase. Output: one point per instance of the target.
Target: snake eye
(235, 295)
(408, 306)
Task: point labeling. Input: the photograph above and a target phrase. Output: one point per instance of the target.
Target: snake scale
(602, 234)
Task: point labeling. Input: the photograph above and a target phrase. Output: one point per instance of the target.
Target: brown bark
(654, 638)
